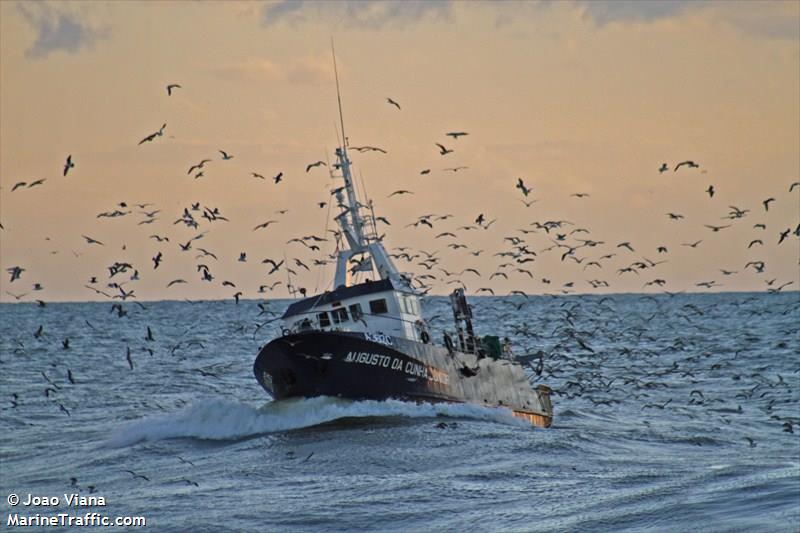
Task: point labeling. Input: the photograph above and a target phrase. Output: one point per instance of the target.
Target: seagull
(18, 185)
(225, 155)
(198, 165)
(135, 475)
(172, 86)
(716, 228)
(68, 164)
(316, 164)
(521, 186)
(264, 224)
(455, 169)
(691, 164)
(399, 192)
(257, 175)
(456, 134)
(766, 203)
(278, 177)
(37, 182)
(710, 191)
(663, 168)
(89, 240)
(426, 171)
(152, 136)
(392, 102)
(443, 150)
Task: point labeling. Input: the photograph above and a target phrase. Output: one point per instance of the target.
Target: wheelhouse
(370, 307)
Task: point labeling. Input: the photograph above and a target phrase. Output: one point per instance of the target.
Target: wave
(220, 419)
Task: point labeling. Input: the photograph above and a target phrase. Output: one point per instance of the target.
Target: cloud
(604, 12)
(57, 29)
(365, 14)
(304, 70)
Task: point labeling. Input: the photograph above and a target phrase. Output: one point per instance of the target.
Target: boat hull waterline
(365, 366)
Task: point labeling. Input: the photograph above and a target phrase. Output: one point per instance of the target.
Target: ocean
(672, 413)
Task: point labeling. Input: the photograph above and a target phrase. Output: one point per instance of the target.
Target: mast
(353, 224)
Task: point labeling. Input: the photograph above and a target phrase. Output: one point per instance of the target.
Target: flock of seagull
(572, 244)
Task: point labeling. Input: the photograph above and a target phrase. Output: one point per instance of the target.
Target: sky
(571, 97)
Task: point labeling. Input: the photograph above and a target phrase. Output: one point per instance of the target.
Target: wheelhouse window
(356, 312)
(339, 315)
(324, 320)
(378, 307)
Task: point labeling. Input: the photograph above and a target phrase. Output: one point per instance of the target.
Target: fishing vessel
(366, 338)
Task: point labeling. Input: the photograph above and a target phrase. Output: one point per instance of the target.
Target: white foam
(220, 419)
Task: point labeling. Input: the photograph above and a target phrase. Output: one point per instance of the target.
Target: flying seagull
(315, 164)
(443, 150)
(392, 102)
(152, 136)
(68, 164)
(690, 164)
(456, 134)
(172, 86)
(225, 155)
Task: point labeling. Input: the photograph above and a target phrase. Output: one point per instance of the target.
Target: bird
(691, 245)
(152, 136)
(716, 228)
(225, 155)
(663, 168)
(129, 358)
(754, 241)
(257, 175)
(68, 165)
(264, 224)
(455, 169)
(443, 150)
(37, 182)
(521, 186)
(90, 240)
(172, 86)
(456, 134)
(315, 164)
(425, 171)
(399, 192)
(149, 336)
(19, 185)
(198, 166)
(690, 164)
(392, 102)
(710, 191)
(278, 177)
(767, 202)
(135, 475)
(674, 216)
